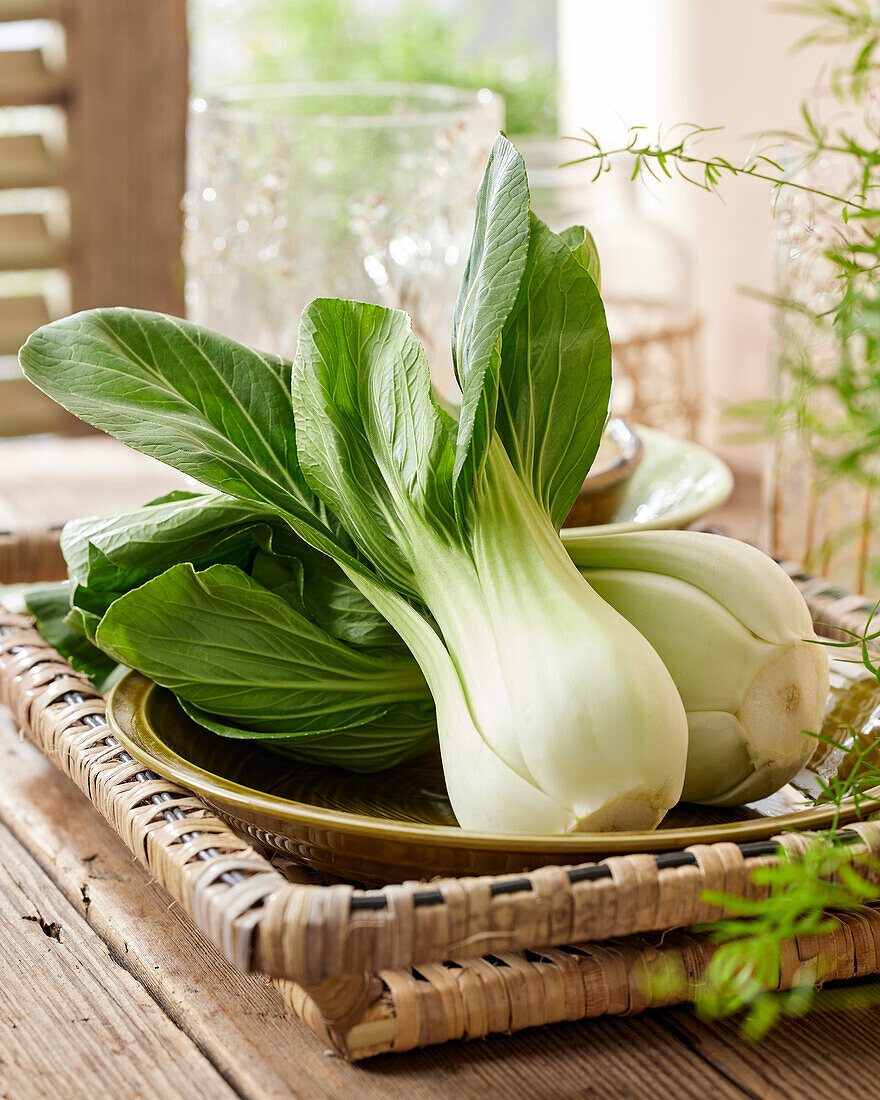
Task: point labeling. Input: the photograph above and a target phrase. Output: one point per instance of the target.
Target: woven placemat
(414, 963)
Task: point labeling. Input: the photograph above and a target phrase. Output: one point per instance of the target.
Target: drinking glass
(355, 190)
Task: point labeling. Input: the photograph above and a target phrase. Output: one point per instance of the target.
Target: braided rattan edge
(468, 998)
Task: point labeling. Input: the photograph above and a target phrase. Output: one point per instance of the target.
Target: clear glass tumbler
(353, 190)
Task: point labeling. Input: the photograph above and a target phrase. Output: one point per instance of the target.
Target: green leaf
(371, 442)
(87, 608)
(583, 247)
(109, 555)
(283, 576)
(122, 550)
(404, 732)
(50, 607)
(200, 402)
(220, 641)
(555, 381)
(488, 291)
(318, 588)
(342, 610)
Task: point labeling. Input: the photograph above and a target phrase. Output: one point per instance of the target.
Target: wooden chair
(91, 184)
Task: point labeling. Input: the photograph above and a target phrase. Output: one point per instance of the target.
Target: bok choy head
(258, 636)
(554, 713)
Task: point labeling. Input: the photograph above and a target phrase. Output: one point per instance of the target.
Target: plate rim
(124, 715)
(677, 517)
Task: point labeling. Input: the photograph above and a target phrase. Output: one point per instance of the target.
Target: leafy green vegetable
(524, 636)
(50, 606)
(583, 247)
(358, 500)
(204, 404)
(488, 291)
(116, 552)
(405, 731)
(109, 555)
(227, 646)
(553, 712)
(551, 416)
(346, 457)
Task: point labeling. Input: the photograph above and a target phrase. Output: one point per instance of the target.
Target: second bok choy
(738, 639)
(554, 712)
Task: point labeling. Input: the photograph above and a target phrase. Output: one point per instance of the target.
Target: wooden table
(108, 990)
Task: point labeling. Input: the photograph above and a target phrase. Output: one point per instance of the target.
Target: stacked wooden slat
(33, 72)
(32, 157)
(92, 122)
(23, 313)
(34, 223)
(33, 239)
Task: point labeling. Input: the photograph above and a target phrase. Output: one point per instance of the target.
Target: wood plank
(824, 1054)
(32, 239)
(20, 315)
(239, 1020)
(128, 149)
(68, 1010)
(26, 411)
(13, 10)
(32, 75)
(32, 159)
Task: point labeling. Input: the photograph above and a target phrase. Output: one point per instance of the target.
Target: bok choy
(553, 712)
(737, 637)
(729, 625)
(257, 635)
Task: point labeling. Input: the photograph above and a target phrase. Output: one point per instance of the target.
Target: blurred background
(334, 146)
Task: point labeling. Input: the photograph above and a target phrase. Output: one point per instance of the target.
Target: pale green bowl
(675, 483)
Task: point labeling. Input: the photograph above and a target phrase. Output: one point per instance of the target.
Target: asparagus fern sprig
(744, 972)
(672, 152)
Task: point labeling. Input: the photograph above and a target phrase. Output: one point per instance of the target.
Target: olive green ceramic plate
(398, 824)
(675, 483)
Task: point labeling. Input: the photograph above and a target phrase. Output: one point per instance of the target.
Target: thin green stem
(711, 165)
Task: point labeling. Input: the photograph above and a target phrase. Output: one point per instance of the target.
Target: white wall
(713, 62)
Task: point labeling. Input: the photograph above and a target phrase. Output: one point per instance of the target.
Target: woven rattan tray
(420, 963)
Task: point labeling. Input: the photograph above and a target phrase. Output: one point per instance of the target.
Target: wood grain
(826, 1054)
(68, 1011)
(30, 159)
(31, 76)
(126, 111)
(238, 1020)
(11, 10)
